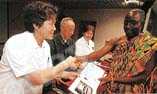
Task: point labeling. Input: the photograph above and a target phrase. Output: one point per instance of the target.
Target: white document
(87, 82)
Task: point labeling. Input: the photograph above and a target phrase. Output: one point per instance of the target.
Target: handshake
(70, 62)
(73, 62)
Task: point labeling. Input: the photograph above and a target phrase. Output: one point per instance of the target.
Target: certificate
(87, 82)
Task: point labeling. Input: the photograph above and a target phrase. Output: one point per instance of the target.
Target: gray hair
(65, 20)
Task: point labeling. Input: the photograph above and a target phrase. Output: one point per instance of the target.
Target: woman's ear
(35, 27)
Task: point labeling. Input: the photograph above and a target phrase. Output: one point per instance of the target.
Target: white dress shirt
(21, 56)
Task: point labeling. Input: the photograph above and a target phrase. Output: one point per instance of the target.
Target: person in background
(62, 46)
(85, 45)
(26, 61)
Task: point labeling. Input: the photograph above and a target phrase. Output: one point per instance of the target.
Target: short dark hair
(36, 13)
(88, 27)
(130, 18)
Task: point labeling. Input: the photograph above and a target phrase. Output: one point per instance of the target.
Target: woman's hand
(73, 62)
(69, 75)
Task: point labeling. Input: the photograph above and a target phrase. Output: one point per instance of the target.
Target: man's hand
(111, 42)
(105, 79)
(82, 58)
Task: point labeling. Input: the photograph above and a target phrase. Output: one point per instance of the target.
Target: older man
(62, 45)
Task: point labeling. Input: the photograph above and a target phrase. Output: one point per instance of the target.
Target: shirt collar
(86, 41)
(34, 42)
(64, 41)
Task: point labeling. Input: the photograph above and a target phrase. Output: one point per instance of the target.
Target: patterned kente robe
(129, 58)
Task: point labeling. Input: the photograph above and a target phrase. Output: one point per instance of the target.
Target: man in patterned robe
(133, 58)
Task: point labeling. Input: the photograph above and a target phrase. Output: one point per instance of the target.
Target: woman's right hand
(73, 62)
